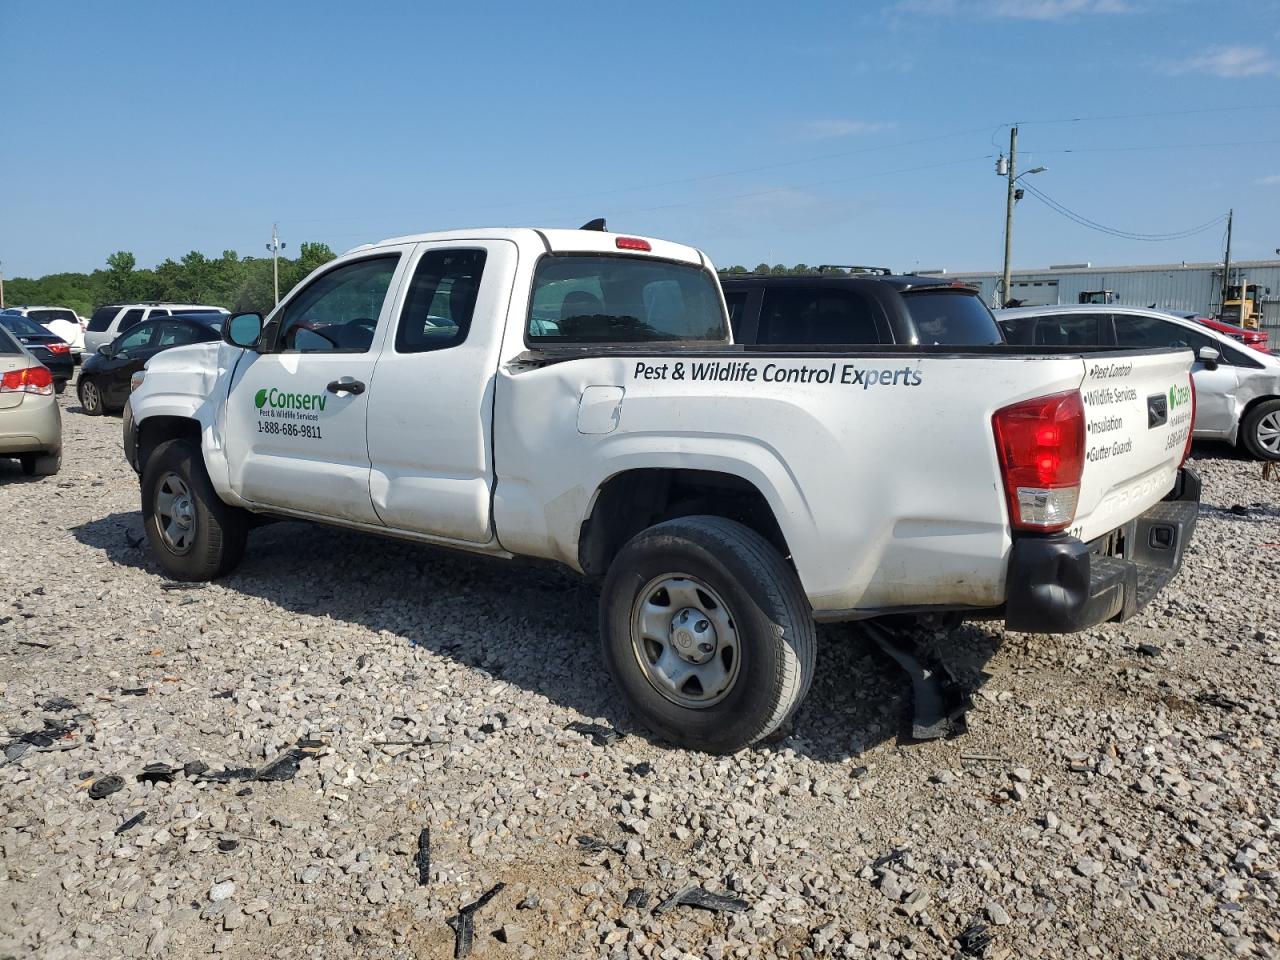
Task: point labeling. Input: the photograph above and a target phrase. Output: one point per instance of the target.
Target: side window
(816, 316)
(737, 304)
(102, 317)
(138, 338)
(1019, 331)
(339, 311)
(1069, 330)
(441, 300)
(130, 319)
(1138, 331)
(175, 334)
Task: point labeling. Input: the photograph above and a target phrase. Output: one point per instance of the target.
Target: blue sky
(844, 132)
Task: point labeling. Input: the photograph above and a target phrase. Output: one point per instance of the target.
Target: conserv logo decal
(1178, 396)
(281, 400)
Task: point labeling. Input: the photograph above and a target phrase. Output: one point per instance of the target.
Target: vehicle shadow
(534, 625)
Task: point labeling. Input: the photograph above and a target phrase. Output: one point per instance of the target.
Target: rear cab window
(618, 299)
(951, 317)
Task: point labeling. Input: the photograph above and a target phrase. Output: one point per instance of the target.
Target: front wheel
(707, 633)
(1261, 430)
(192, 533)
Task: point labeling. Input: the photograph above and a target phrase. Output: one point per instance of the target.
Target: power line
(1145, 116)
(1114, 231)
(1216, 145)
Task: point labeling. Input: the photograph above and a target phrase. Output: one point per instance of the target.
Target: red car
(1250, 338)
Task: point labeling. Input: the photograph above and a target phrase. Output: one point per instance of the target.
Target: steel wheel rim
(89, 398)
(175, 514)
(1268, 432)
(685, 641)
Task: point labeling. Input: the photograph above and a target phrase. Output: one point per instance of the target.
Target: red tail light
(1040, 443)
(633, 243)
(1186, 451)
(58, 348)
(29, 380)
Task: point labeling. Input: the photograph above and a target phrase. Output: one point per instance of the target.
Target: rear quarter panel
(881, 471)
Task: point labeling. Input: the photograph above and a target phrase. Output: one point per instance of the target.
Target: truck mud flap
(938, 702)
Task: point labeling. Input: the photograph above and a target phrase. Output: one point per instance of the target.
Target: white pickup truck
(575, 395)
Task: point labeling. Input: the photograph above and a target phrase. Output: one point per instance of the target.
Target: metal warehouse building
(1169, 286)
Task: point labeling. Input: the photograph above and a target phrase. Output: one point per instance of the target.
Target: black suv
(857, 305)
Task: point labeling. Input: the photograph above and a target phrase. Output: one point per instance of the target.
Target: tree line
(237, 283)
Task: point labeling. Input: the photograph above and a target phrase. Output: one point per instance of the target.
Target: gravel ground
(1115, 796)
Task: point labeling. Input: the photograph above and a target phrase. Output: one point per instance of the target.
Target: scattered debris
(182, 585)
(422, 859)
(637, 899)
(600, 735)
(193, 768)
(595, 845)
(702, 899)
(134, 691)
(974, 939)
(132, 822)
(246, 792)
(529, 903)
(362, 661)
(983, 758)
(1219, 700)
(57, 705)
(283, 767)
(939, 703)
(1240, 510)
(105, 787)
(158, 772)
(893, 856)
(1149, 649)
(14, 751)
(228, 844)
(33, 643)
(642, 769)
(224, 695)
(463, 924)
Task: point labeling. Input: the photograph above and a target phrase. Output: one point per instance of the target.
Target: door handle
(346, 385)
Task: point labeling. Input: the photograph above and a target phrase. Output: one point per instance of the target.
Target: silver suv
(110, 321)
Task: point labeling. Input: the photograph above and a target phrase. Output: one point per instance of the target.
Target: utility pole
(1008, 215)
(1, 284)
(1226, 272)
(275, 246)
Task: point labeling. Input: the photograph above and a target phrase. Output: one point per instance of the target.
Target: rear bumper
(34, 426)
(1057, 584)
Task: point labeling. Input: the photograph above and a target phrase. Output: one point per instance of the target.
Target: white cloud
(1015, 9)
(1228, 62)
(831, 129)
(1271, 181)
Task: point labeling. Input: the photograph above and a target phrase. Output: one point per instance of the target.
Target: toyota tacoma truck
(576, 396)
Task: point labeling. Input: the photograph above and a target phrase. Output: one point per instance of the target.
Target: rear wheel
(1261, 430)
(41, 464)
(59, 386)
(193, 534)
(90, 397)
(707, 633)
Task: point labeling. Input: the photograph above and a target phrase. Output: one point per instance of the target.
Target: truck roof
(555, 240)
(900, 282)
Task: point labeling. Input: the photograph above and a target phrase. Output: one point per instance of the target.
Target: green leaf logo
(260, 399)
(1173, 397)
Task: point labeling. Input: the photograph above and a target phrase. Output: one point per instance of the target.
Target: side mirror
(105, 350)
(1209, 357)
(242, 329)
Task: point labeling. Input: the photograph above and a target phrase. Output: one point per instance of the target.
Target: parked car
(104, 379)
(857, 308)
(30, 424)
(59, 321)
(114, 319)
(576, 396)
(1237, 390)
(53, 352)
(1258, 339)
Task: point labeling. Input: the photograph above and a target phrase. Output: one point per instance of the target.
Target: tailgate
(1137, 415)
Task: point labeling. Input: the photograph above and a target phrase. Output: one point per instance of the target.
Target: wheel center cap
(693, 635)
(182, 511)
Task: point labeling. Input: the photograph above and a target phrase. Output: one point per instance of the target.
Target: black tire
(215, 537)
(59, 386)
(92, 404)
(1255, 432)
(40, 464)
(773, 627)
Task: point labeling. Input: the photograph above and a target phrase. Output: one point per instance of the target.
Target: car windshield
(20, 325)
(611, 299)
(952, 317)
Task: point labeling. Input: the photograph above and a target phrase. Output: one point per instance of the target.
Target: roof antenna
(596, 224)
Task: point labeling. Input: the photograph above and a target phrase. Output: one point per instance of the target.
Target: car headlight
(136, 380)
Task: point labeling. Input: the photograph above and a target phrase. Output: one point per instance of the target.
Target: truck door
(295, 417)
(431, 400)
